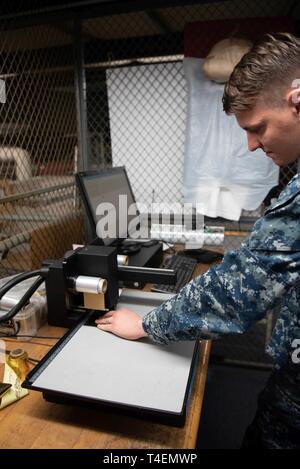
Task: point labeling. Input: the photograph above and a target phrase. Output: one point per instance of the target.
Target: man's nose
(253, 142)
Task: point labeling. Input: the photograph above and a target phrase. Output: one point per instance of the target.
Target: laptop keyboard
(184, 268)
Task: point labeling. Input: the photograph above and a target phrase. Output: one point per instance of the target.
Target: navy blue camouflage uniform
(263, 276)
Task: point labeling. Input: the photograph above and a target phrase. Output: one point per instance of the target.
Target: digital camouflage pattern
(260, 278)
(277, 421)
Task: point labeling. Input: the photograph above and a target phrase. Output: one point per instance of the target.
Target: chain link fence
(39, 215)
(132, 109)
(137, 93)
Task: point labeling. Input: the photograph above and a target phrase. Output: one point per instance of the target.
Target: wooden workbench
(33, 422)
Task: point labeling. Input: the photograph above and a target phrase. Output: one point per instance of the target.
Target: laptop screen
(108, 197)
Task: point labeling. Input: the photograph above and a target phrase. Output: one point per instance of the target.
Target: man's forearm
(225, 300)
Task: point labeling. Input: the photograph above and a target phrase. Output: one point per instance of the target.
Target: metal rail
(25, 195)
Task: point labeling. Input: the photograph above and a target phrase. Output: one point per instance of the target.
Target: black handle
(147, 274)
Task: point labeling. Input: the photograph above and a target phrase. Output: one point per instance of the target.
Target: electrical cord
(41, 273)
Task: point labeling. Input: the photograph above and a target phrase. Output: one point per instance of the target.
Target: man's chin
(274, 159)
(279, 161)
(282, 164)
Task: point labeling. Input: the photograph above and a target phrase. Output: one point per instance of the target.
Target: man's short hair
(272, 64)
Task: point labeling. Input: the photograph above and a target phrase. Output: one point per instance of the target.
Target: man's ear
(293, 98)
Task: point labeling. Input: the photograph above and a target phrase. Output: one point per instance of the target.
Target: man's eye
(261, 129)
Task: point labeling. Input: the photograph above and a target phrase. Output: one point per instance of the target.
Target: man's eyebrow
(254, 126)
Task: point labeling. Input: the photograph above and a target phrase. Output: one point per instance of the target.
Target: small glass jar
(18, 361)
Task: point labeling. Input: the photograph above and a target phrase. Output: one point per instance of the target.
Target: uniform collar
(288, 193)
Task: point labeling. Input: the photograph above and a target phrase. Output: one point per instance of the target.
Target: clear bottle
(18, 361)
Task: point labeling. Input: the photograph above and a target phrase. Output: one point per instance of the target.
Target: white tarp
(220, 172)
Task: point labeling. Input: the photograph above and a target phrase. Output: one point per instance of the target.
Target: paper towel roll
(213, 239)
(177, 234)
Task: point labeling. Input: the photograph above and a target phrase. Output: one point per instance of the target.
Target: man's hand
(123, 323)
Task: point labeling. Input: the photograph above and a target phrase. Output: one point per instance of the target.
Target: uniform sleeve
(230, 297)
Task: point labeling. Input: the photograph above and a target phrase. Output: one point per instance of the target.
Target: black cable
(18, 279)
(33, 361)
(23, 301)
(41, 273)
